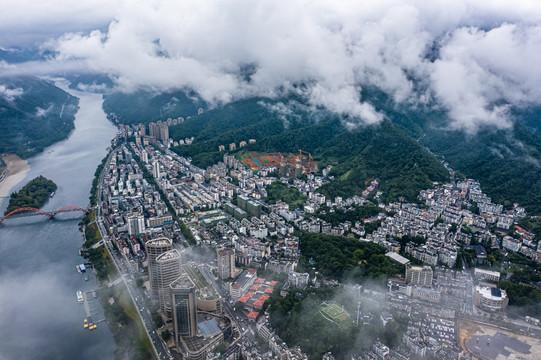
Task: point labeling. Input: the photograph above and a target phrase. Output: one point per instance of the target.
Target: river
(40, 317)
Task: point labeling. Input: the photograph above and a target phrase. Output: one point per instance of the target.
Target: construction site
(494, 343)
(292, 165)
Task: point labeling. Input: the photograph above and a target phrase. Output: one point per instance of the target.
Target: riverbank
(38, 256)
(129, 333)
(17, 170)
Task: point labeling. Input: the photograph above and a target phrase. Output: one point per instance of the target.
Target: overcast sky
(467, 54)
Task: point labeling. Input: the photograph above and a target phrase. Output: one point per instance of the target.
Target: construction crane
(294, 156)
(309, 158)
(367, 181)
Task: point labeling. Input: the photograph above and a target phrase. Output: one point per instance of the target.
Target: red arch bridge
(29, 211)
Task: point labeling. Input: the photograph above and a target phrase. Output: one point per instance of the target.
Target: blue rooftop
(209, 328)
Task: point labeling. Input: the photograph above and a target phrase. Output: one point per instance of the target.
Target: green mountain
(34, 114)
(383, 151)
(144, 106)
(506, 162)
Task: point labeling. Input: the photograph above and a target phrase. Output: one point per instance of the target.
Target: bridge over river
(30, 211)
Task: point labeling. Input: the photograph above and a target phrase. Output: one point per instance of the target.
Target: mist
(476, 59)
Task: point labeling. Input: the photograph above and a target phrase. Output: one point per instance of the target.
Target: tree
(358, 255)
(222, 348)
(166, 335)
(157, 319)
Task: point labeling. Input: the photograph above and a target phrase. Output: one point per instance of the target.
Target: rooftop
(397, 258)
(168, 255)
(243, 278)
(205, 290)
(491, 293)
(183, 282)
(159, 242)
(209, 328)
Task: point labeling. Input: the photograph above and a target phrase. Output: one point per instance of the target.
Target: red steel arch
(26, 209)
(69, 207)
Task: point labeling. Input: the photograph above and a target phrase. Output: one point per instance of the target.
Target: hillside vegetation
(34, 114)
(395, 151)
(506, 162)
(146, 106)
(381, 151)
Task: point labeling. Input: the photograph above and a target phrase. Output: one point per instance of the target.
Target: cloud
(27, 22)
(42, 112)
(10, 94)
(481, 73)
(476, 58)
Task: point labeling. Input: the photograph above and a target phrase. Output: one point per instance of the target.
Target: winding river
(40, 317)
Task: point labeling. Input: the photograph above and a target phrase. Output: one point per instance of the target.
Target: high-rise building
(242, 201)
(298, 167)
(164, 131)
(144, 156)
(168, 269)
(136, 223)
(226, 264)
(419, 275)
(156, 169)
(142, 130)
(153, 130)
(183, 307)
(283, 168)
(154, 248)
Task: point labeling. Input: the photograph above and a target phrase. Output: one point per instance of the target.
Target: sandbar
(17, 170)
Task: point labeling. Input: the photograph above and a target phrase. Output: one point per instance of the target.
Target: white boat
(52, 194)
(80, 296)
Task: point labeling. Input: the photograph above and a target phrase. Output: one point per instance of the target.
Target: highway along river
(40, 317)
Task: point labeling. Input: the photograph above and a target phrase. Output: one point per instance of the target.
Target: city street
(161, 351)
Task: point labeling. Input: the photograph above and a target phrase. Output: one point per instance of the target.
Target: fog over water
(40, 317)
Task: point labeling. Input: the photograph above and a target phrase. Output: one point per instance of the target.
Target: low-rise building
(490, 298)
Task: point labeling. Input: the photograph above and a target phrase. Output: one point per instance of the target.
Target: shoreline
(17, 170)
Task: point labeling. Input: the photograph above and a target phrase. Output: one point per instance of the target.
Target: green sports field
(335, 312)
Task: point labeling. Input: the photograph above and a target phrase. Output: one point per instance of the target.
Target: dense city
(210, 253)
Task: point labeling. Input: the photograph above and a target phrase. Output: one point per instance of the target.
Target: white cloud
(478, 69)
(10, 94)
(487, 53)
(42, 112)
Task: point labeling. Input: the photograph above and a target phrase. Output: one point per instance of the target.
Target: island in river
(34, 194)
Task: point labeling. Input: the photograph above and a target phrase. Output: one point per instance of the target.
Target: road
(138, 298)
(160, 350)
(204, 269)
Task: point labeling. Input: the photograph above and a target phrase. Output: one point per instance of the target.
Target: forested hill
(145, 106)
(506, 162)
(381, 151)
(34, 114)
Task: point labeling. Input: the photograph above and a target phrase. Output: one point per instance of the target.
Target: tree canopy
(34, 194)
